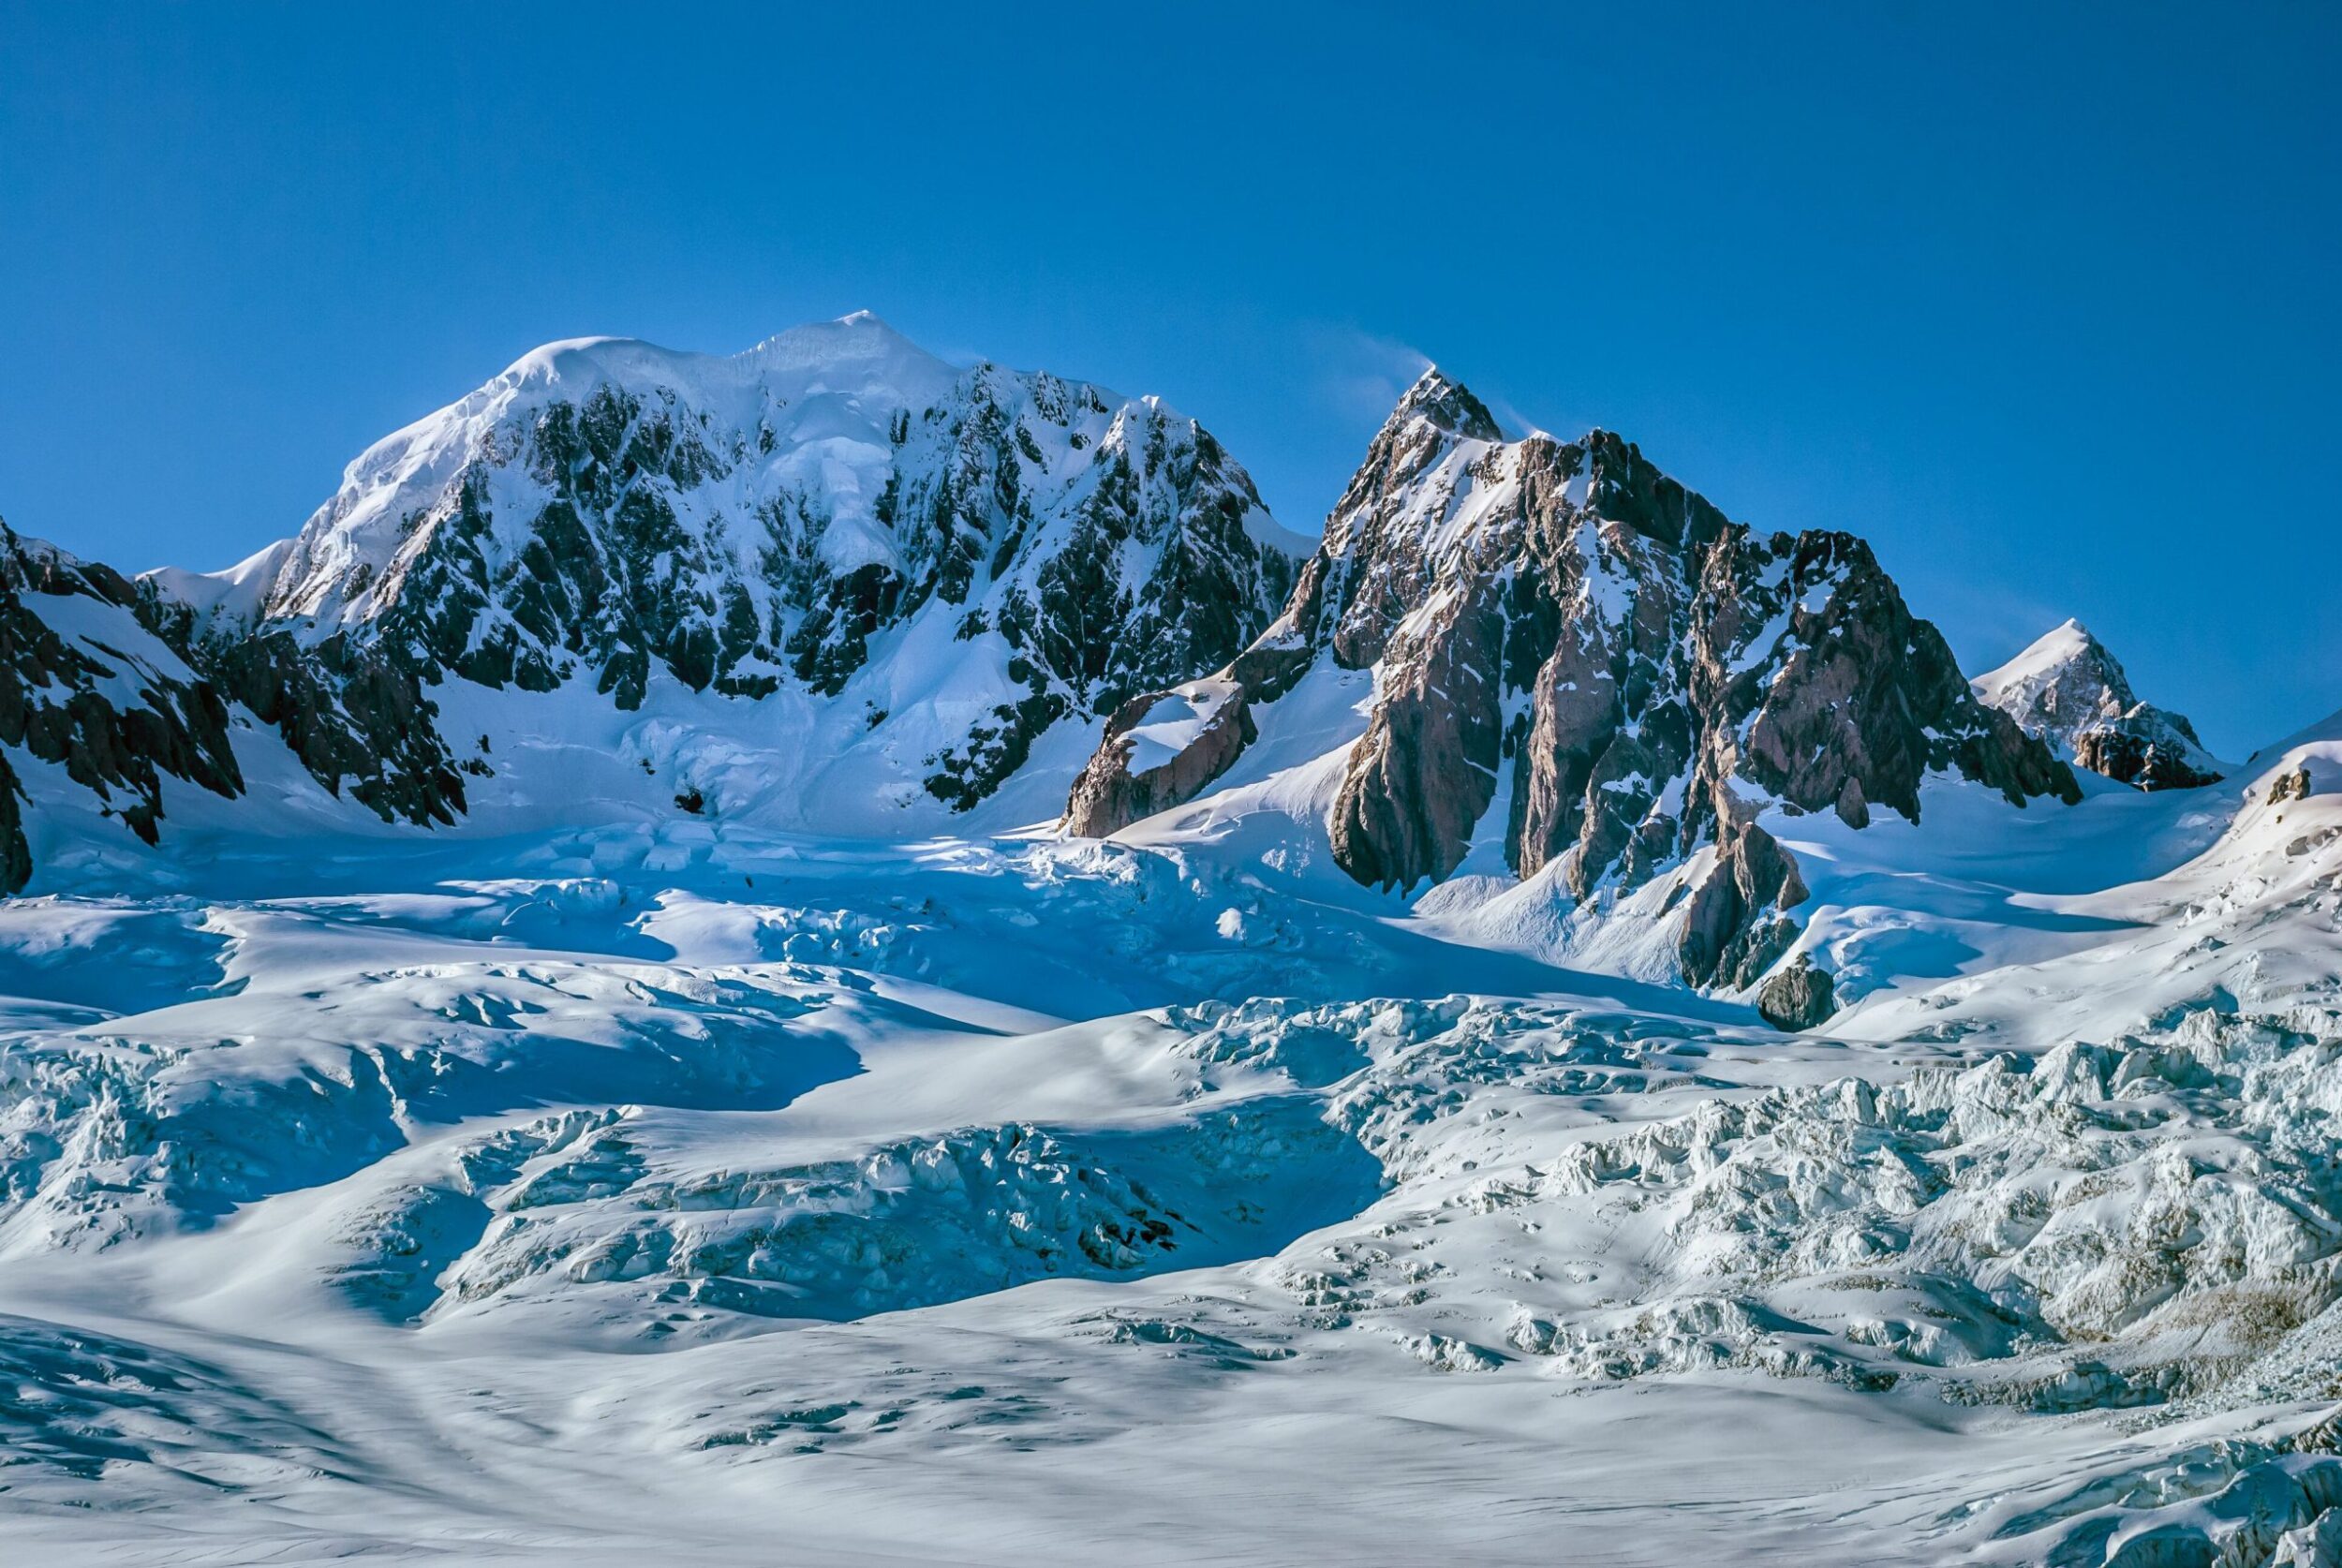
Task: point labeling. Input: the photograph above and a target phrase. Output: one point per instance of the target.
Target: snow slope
(691, 1188)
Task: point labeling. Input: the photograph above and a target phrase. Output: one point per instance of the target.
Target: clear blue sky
(2041, 299)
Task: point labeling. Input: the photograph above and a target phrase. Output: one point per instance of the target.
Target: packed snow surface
(682, 1187)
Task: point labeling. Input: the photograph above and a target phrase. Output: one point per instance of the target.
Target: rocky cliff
(952, 561)
(87, 689)
(1559, 630)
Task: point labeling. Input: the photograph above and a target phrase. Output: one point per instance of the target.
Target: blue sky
(2041, 300)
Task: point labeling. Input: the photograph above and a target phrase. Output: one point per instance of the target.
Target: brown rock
(2291, 786)
(1111, 793)
(1800, 996)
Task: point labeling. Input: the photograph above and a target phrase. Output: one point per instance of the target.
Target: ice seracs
(2068, 689)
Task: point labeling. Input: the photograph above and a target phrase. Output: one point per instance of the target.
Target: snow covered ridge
(1577, 658)
(609, 509)
(104, 694)
(2068, 688)
(607, 512)
(883, 578)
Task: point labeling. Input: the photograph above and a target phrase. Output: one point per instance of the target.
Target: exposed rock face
(110, 679)
(1800, 996)
(352, 716)
(2070, 691)
(615, 511)
(83, 685)
(1161, 747)
(1564, 625)
(2291, 786)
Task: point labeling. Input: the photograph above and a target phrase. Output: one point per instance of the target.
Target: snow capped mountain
(610, 512)
(1580, 660)
(833, 580)
(546, 1023)
(2070, 690)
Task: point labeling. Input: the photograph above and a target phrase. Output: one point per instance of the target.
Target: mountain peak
(859, 333)
(2066, 673)
(2068, 688)
(1447, 404)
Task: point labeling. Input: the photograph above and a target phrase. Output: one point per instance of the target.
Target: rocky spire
(1561, 624)
(1447, 404)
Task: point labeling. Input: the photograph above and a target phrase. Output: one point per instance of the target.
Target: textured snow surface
(671, 1189)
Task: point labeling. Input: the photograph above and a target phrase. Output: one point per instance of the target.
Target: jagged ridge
(609, 511)
(1563, 623)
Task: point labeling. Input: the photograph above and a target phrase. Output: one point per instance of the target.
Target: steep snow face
(826, 392)
(613, 514)
(2069, 689)
(1580, 660)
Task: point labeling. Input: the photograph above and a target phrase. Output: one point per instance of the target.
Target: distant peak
(2065, 643)
(857, 334)
(2067, 655)
(1447, 404)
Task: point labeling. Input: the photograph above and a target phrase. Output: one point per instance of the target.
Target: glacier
(709, 1146)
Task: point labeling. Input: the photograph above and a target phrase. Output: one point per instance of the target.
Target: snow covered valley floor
(673, 1192)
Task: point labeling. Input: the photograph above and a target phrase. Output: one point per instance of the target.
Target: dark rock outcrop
(2291, 786)
(1800, 996)
(354, 718)
(2147, 748)
(84, 685)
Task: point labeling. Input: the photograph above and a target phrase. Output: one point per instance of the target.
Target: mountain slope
(833, 580)
(1561, 632)
(651, 1167)
(86, 688)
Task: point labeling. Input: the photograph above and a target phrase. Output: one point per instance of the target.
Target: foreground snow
(670, 1191)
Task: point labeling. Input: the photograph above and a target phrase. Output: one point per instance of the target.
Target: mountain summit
(2068, 689)
(837, 581)
(1576, 657)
